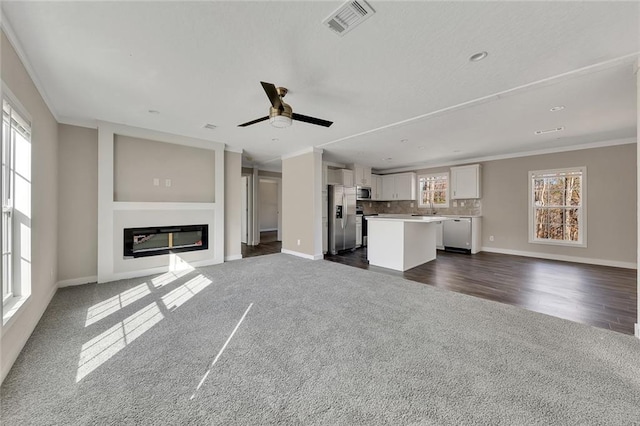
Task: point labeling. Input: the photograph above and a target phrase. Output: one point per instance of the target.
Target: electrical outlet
(491, 238)
(461, 203)
(369, 204)
(388, 204)
(156, 182)
(298, 242)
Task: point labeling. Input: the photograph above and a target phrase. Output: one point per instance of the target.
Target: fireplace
(142, 242)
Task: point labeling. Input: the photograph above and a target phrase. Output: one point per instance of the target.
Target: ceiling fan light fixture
(280, 121)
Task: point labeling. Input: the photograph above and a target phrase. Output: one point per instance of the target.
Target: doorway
(261, 220)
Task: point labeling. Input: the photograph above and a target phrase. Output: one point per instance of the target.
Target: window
(433, 188)
(557, 206)
(16, 208)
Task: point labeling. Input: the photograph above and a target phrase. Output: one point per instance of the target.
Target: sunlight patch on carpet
(103, 347)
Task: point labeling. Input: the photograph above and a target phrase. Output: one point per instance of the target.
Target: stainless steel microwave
(363, 193)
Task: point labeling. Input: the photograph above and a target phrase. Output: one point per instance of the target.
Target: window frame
(447, 192)
(582, 208)
(21, 291)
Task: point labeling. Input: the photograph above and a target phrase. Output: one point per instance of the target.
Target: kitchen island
(401, 242)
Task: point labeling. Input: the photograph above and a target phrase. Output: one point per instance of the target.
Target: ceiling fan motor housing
(280, 117)
(285, 111)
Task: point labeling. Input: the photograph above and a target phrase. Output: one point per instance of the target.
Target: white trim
(419, 190)
(12, 306)
(23, 337)
(591, 145)
(232, 257)
(107, 207)
(153, 271)
(298, 153)
(79, 122)
(582, 209)
(563, 258)
(13, 39)
(637, 329)
(498, 95)
(78, 281)
(231, 149)
(158, 136)
(16, 104)
(268, 229)
(135, 205)
(303, 255)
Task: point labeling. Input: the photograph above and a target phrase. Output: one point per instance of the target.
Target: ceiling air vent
(209, 126)
(348, 16)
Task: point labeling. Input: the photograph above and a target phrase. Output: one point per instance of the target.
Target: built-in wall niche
(151, 171)
(154, 241)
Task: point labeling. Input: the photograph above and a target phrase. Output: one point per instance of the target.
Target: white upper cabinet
(361, 175)
(465, 182)
(401, 186)
(376, 187)
(340, 177)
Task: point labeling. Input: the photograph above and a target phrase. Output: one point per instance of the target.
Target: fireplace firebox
(153, 241)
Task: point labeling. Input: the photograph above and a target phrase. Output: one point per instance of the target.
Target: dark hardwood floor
(600, 296)
(269, 244)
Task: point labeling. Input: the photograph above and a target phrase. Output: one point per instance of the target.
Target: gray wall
(138, 161)
(44, 206)
(268, 205)
(78, 203)
(302, 204)
(611, 202)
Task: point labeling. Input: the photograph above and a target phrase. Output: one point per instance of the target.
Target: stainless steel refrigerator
(342, 218)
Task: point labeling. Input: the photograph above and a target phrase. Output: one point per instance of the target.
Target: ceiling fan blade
(311, 120)
(257, 120)
(272, 94)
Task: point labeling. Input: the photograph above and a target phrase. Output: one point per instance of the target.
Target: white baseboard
(564, 258)
(637, 334)
(153, 271)
(78, 281)
(232, 257)
(303, 255)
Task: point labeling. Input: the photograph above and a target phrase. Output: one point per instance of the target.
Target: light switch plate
(156, 182)
(167, 183)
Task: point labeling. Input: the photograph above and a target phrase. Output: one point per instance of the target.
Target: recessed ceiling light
(542, 132)
(557, 108)
(478, 56)
(153, 111)
(209, 126)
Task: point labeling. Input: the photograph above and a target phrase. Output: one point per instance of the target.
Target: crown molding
(592, 145)
(6, 27)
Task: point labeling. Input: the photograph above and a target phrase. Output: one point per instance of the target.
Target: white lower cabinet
(439, 234)
(358, 231)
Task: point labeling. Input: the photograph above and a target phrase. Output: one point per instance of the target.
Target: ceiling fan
(281, 114)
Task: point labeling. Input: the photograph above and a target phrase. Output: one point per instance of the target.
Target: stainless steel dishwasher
(457, 235)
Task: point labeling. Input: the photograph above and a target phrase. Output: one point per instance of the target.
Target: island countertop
(408, 218)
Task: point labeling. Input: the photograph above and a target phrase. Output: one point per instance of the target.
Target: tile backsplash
(471, 207)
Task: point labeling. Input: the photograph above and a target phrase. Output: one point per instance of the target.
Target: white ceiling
(402, 74)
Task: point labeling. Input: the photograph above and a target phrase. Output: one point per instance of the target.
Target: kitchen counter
(401, 241)
(427, 215)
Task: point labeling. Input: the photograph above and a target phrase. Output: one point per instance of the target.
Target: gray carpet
(322, 343)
